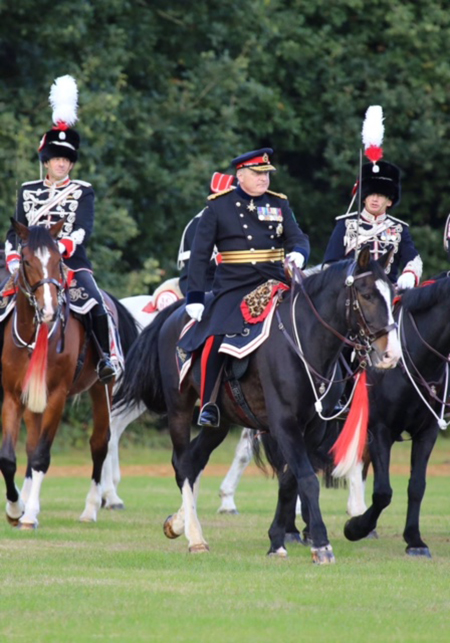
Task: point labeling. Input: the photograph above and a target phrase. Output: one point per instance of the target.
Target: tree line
(171, 91)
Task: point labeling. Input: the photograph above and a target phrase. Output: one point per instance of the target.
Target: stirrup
(209, 415)
(105, 370)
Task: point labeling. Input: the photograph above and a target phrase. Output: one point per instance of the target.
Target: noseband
(362, 342)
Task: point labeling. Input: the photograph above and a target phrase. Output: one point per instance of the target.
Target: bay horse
(412, 398)
(47, 357)
(349, 297)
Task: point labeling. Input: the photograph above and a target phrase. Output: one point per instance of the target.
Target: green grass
(122, 580)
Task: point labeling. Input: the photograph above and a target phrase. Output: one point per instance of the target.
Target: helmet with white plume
(62, 140)
(378, 177)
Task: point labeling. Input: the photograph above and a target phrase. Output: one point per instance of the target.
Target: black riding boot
(105, 368)
(210, 413)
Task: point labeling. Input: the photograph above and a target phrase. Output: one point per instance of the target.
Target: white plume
(64, 100)
(373, 128)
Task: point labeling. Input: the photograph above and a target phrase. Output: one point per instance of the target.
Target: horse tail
(141, 381)
(271, 451)
(349, 447)
(128, 327)
(34, 388)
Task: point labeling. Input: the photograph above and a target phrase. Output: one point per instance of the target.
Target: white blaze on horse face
(43, 254)
(392, 352)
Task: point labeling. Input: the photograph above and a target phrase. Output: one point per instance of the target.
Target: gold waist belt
(252, 256)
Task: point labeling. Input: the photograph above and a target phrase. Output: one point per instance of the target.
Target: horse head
(370, 308)
(41, 272)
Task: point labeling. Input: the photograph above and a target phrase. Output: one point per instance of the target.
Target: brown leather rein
(361, 343)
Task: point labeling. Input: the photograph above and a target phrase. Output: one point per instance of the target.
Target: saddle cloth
(258, 309)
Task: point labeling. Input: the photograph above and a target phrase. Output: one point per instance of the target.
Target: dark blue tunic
(381, 233)
(234, 221)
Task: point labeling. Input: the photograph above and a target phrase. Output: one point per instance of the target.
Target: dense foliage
(170, 91)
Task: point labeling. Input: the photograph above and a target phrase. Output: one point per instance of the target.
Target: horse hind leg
(111, 467)
(101, 396)
(242, 458)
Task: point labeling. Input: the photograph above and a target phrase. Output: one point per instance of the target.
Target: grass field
(122, 580)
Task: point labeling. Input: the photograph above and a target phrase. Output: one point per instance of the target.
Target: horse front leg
(189, 461)
(361, 526)
(101, 397)
(283, 527)
(11, 414)
(420, 455)
(294, 450)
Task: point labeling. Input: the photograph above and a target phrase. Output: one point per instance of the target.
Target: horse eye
(367, 297)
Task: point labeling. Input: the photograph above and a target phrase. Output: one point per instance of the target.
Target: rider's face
(58, 168)
(254, 183)
(376, 204)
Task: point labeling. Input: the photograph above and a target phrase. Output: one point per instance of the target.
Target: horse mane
(315, 282)
(40, 237)
(429, 295)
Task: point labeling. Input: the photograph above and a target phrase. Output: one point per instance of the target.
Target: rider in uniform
(380, 190)
(57, 196)
(251, 226)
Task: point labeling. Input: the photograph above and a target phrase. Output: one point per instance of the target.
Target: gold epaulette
(216, 194)
(279, 194)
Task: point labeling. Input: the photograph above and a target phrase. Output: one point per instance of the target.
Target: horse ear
(56, 228)
(20, 229)
(364, 257)
(386, 259)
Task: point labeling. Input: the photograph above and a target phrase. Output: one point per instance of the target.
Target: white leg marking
(15, 509)
(32, 507)
(242, 458)
(93, 503)
(356, 504)
(192, 530)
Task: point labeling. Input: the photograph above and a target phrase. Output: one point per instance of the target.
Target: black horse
(411, 398)
(281, 384)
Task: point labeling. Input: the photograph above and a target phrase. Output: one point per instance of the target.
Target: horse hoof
(26, 526)
(118, 506)
(294, 537)
(12, 521)
(323, 555)
(229, 512)
(372, 535)
(168, 530)
(201, 548)
(278, 553)
(418, 551)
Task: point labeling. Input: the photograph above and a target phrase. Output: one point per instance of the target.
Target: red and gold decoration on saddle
(256, 306)
(372, 135)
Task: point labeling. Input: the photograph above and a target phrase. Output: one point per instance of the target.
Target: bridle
(29, 290)
(361, 343)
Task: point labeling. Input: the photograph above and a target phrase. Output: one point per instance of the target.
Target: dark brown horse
(47, 357)
(349, 298)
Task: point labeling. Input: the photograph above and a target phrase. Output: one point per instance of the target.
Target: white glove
(406, 281)
(61, 247)
(296, 259)
(195, 311)
(13, 266)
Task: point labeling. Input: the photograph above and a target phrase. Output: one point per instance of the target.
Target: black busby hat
(62, 140)
(382, 178)
(378, 177)
(257, 160)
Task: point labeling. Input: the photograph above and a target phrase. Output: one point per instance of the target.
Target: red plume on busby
(378, 177)
(62, 140)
